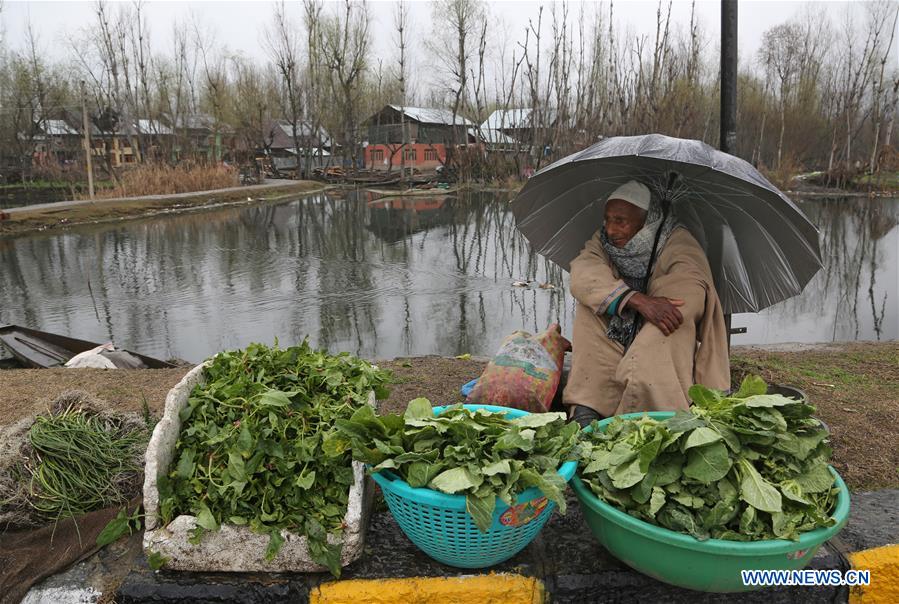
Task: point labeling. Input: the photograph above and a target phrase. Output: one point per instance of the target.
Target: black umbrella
(761, 247)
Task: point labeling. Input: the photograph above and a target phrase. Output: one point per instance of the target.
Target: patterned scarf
(631, 262)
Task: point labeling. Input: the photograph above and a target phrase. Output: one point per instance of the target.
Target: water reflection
(376, 277)
(855, 296)
(380, 278)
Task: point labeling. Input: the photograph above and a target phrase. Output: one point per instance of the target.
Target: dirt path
(854, 386)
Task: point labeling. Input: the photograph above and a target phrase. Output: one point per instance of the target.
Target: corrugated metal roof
(493, 136)
(517, 118)
(315, 151)
(197, 121)
(59, 128)
(507, 118)
(303, 129)
(151, 127)
(427, 115)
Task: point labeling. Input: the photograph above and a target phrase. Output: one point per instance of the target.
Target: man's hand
(660, 311)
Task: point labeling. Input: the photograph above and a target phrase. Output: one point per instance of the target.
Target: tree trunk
(780, 142)
(758, 155)
(848, 142)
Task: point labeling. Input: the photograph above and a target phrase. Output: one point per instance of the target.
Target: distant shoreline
(55, 216)
(27, 220)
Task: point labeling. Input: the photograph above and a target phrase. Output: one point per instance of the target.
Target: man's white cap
(634, 193)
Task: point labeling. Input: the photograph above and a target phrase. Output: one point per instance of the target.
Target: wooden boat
(33, 348)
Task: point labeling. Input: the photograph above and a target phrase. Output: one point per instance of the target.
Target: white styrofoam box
(234, 548)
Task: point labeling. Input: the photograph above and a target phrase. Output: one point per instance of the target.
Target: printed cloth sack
(525, 372)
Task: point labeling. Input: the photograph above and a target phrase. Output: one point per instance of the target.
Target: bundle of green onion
(82, 461)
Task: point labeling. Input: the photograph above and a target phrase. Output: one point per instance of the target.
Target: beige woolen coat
(656, 371)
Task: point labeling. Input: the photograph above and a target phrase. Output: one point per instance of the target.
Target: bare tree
(532, 75)
(454, 25)
(282, 44)
(346, 40)
(27, 104)
(891, 111)
(140, 49)
(854, 74)
(401, 23)
(780, 53)
(176, 88)
(104, 64)
(314, 98)
(879, 15)
(249, 102)
(215, 82)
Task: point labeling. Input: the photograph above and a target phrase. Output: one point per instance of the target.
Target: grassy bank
(856, 389)
(854, 386)
(67, 214)
(887, 181)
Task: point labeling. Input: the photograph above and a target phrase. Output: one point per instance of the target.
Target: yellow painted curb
(479, 589)
(883, 562)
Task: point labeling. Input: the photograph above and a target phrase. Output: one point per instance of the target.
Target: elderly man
(639, 348)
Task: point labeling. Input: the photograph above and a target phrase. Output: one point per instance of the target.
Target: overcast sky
(238, 24)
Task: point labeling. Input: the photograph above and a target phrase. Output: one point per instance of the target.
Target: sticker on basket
(523, 513)
(799, 553)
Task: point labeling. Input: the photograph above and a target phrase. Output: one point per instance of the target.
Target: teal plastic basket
(439, 525)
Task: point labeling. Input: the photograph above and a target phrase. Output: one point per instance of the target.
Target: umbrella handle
(666, 206)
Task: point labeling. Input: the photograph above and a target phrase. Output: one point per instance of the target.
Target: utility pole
(728, 129)
(87, 143)
(728, 139)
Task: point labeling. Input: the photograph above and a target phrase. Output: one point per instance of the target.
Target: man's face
(622, 221)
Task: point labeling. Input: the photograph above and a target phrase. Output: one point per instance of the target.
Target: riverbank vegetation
(164, 179)
(820, 93)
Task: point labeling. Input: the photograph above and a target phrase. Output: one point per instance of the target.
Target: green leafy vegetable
(479, 454)
(118, 526)
(250, 449)
(747, 466)
(155, 560)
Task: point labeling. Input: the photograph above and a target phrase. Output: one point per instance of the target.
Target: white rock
(62, 595)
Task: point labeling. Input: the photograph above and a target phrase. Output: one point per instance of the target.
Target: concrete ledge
(479, 589)
(565, 561)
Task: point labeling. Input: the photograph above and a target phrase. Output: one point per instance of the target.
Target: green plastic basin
(679, 559)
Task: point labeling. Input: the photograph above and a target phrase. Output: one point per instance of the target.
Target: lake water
(382, 278)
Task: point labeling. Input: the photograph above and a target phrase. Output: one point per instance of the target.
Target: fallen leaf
(464, 357)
